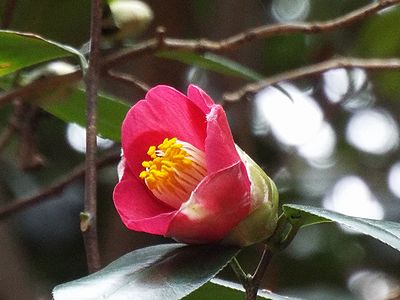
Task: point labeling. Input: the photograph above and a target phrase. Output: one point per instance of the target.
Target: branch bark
(130, 79)
(89, 222)
(57, 187)
(340, 62)
(263, 32)
(252, 285)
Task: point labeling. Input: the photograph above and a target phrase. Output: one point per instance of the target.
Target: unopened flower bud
(261, 222)
(131, 17)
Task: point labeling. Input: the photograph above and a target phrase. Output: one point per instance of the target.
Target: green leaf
(169, 271)
(20, 50)
(212, 62)
(111, 112)
(217, 63)
(385, 231)
(222, 289)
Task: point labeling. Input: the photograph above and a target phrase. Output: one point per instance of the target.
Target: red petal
(138, 208)
(217, 205)
(220, 147)
(165, 113)
(200, 98)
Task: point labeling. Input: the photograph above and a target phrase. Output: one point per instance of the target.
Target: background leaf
(19, 50)
(169, 271)
(222, 289)
(111, 112)
(218, 64)
(212, 62)
(385, 231)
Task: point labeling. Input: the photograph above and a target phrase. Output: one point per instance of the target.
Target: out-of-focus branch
(48, 83)
(340, 62)
(130, 79)
(160, 42)
(26, 119)
(89, 215)
(57, 187)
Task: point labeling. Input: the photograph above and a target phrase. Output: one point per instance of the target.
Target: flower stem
(282, 237)
(254, 281)
(251, 283)
(237, 269)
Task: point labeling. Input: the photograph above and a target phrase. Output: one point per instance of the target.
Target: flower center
(174, 171)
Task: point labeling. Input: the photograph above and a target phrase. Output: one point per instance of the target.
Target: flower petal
(217, 205)
(220, 147)
(138, 208)
(200, 98)
(165, 113)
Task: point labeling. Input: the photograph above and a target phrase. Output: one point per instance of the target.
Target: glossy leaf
(212, 62)
(222, 289)
(385, 231)
(219, 64)
(111, 112)
(20, 50)
(169, 271)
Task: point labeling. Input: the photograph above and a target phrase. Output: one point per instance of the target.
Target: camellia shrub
(179, 175)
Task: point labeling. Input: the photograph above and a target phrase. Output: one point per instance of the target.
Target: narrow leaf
(222, 289)
(218, 64)
(385, 231)
(212, 62)
(169, 271)
(111, 112)
(20, 50)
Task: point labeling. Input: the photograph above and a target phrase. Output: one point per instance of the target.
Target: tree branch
(41, 85)
(235, 41)
(340, 62)
(130, 79)
(253, 284)
(89, 222)
(57, 187)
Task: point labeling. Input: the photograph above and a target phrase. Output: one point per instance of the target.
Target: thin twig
(235, 41)
(28, 154)
(341, 62)
(263, 264)
(89, 224)
(130, 79)
(8, 14)
(239, 272)
(42, 85)
(254, 282)
(57, 187)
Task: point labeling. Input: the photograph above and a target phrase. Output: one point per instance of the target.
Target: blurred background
(334, 143)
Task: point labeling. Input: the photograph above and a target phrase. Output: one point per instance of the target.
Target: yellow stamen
(174, 171)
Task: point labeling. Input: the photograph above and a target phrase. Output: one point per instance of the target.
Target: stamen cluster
(174, 170)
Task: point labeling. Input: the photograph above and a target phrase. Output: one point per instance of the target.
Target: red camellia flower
(183, 177)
